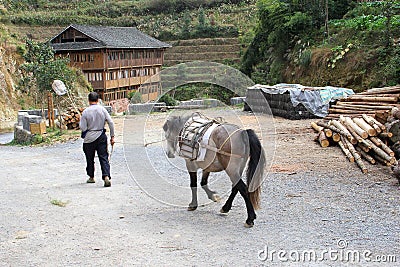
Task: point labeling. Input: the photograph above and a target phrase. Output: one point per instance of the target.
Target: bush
(135, 97)
(167, 99)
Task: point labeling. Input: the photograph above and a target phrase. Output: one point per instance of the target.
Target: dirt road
(314, 203)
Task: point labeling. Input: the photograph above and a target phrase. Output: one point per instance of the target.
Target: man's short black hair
(93, 97)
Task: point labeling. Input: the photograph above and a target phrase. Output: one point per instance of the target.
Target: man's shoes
(107, 182)
(90, 180)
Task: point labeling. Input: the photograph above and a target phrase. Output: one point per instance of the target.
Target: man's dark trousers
(99, 145)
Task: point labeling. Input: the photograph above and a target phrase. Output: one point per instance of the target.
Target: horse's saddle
(196, 129)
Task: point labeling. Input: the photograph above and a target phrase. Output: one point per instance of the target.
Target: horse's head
(171, 128)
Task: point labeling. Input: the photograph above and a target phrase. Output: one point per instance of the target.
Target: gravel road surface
(315, 205)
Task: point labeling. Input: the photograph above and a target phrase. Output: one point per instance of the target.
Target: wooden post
(378, 151)
(365, 155)
(323, 141)
(50, 109)
(371, 122)
(343, 145)
(348, 135)
(356, 156)
(354, 127)
(365, 126)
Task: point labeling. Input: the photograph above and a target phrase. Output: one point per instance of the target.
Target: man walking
(95, 139)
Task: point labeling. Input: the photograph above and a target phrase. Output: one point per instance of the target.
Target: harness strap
(229, 137)
(220, 151)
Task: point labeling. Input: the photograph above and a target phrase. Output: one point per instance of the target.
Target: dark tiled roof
(110, 37)
(77, 46)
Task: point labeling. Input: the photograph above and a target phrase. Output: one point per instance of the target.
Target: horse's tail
(255, 168)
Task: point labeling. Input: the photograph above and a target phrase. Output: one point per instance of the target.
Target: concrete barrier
(38, 112)
(208, 103)
(237, 100)
(21, 116)
(146, 107)
(21, 135)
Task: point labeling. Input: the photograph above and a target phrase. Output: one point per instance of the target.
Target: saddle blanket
(204, 142)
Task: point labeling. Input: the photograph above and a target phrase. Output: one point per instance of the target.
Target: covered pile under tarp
(314, 100)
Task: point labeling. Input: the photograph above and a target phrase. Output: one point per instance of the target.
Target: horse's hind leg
(204, 184)
(251, 215)
(228, 204)
(193, 186)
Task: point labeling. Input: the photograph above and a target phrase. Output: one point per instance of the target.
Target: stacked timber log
(72, 117)
(377, 101)
(359, 138)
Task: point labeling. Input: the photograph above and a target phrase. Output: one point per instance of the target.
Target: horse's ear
(165, 127)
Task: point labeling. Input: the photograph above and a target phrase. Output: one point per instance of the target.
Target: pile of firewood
(376, 101)
(359, 138)
(72, 117)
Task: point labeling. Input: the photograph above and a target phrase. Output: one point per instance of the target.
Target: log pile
(72, 117)
(360, 138)
(376, 101)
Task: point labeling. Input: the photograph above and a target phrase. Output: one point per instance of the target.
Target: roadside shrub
(168, 99)
(135, 97)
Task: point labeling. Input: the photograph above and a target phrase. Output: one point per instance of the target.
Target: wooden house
(115, 60)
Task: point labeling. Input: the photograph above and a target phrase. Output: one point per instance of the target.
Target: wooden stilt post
(50, 109)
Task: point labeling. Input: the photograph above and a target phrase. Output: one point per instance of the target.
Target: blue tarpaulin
(315, 99)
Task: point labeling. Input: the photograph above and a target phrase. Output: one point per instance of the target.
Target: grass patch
(59, 203)
(51, 136)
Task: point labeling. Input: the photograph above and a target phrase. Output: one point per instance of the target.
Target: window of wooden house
(82, 57)
(125, 55)
(91, 57)
(111, 76)
(113, 55)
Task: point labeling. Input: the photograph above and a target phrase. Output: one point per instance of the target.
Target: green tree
(185, 31)
(282, 23)
(41, 68)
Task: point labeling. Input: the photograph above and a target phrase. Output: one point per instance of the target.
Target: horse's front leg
(204, 184)
(193, 187)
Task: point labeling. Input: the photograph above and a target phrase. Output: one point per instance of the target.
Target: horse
(229, 148)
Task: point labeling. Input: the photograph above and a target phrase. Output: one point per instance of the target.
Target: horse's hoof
(223, 213)
(215, 198)
(192, 208)
(248, 224)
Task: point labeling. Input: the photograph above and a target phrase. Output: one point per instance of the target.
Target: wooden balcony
(131, 81)
(97, 84)
(113, 64)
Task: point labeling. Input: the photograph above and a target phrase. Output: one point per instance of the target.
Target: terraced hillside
(221, 50)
